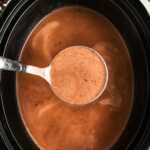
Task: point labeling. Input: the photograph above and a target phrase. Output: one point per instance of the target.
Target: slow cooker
(133, 22)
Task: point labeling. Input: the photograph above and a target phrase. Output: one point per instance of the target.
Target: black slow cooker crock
(133, 22)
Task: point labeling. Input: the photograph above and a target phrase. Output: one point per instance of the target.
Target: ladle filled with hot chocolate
(77, 75)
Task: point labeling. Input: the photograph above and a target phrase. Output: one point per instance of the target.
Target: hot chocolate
(53, 124)
(78, 75)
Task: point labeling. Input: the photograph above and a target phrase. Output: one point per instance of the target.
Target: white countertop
(146, 3)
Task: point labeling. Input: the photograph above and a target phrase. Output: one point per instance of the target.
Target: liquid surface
(78, 75)
(54, 125)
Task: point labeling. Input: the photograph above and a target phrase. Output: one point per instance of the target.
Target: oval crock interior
(20, 32)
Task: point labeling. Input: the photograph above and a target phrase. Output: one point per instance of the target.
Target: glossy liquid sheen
(55, 125)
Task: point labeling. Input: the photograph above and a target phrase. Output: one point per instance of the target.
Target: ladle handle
(11, 65)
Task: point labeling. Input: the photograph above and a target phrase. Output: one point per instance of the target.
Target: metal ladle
(12, 65)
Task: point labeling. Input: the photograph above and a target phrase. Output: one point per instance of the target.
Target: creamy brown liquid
(78, 75)
(54, 125)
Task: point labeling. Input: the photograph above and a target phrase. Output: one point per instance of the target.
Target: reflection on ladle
(77, 75)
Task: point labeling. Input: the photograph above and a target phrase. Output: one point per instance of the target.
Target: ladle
(12, 65)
